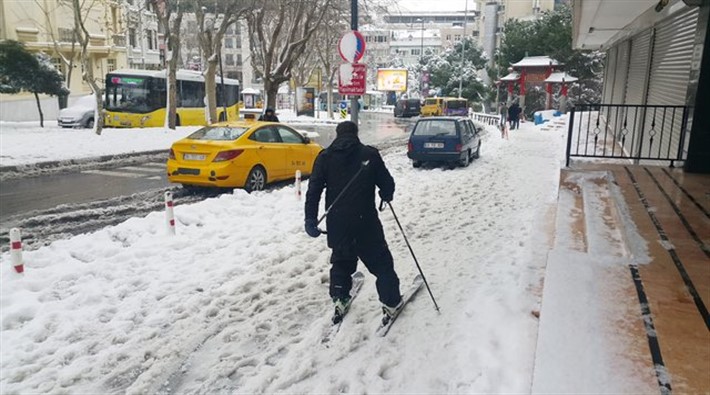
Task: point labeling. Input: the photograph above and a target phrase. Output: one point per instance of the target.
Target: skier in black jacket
(354, 230)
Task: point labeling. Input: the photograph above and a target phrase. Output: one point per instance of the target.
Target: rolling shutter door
(615, 114)
(609, 74)
(668, 83)
(638, 68)
(636, 87)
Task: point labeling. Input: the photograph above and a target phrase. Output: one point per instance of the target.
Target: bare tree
(279, 31)
(87, 74)
(212, 26)
(169, 13)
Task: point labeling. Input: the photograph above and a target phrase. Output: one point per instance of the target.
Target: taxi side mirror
(306, 140)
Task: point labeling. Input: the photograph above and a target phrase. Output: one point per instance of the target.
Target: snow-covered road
(236, 302)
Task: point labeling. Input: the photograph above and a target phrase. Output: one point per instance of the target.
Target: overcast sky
(436, 5)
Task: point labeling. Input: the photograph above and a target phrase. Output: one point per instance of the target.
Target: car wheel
(478, 151)
(466, 160)
(256, 180)
(90, 123)
(416, 163)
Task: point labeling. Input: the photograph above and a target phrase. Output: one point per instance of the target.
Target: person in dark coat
(514, 115)
(269, 116)
(354, 229)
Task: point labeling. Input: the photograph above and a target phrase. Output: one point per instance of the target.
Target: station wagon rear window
(218, 133)
(435, 128)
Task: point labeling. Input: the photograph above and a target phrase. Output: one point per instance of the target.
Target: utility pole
(354, 104)
(421, 64)
(463, 49)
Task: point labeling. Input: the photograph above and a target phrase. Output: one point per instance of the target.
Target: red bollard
(16, 250)
(169, 215)
(298, 184)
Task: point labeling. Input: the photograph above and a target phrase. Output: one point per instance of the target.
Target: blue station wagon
(451, 140)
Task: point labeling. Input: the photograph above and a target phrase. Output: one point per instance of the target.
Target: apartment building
(48, 27)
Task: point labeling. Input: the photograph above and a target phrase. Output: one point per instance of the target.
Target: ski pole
(411, 251)
(364, 164)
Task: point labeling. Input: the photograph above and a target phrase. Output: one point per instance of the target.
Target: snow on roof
(560, 76)
(184, 75)
(514, 76)
(536, 61)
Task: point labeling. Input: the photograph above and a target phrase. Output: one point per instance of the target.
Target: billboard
(305, 99)
(392, 80)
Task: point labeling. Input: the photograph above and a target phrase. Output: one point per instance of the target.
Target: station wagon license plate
(194, 156)
(433, 145)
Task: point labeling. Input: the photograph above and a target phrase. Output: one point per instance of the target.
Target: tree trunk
(172, 86)
(211, 91)
(271, 89)
(39, 108)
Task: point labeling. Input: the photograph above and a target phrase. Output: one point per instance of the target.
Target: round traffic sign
(352, 46)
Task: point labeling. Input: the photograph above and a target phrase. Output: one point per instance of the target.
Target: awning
(514, 76)
(560, 76)
(536, 61)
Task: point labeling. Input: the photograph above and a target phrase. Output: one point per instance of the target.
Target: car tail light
(410, 147)
(459, 147)
(171, 155)
(227, 155)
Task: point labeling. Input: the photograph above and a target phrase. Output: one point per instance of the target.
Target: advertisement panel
(305, 101)
(392, 80)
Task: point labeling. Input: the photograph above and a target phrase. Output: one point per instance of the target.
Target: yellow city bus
(433, 106)
(137, 98)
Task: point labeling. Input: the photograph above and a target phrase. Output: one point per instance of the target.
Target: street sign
(351, 79)
(352, 46)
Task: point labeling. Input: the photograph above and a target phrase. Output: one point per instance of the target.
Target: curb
(70, 165)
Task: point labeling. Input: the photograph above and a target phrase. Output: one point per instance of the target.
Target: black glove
(312, 227)
(385, 196)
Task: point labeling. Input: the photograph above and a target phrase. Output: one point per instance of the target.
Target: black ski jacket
(355, 212)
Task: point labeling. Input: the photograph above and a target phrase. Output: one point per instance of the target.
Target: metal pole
(354, 105)
(221, 75)
(421, 64)
(463, 50)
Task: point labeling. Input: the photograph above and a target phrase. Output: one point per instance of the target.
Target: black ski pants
(374, 253)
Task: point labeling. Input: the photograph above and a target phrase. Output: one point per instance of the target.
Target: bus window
(193, 94)
(130, 94)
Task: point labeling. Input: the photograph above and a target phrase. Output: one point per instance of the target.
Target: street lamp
(421, 61)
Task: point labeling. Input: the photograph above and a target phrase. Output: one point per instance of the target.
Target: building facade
(657, 55)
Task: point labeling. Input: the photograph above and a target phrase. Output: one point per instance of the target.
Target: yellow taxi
(241, 154)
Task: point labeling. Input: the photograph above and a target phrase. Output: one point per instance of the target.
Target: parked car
(407, 108)
(241, 154)
(452, 140)
(79, 114)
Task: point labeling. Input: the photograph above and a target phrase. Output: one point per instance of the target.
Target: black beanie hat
(346, 127)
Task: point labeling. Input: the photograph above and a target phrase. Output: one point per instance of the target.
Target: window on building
(448, 37)
(132, 37)
(239, 59)
(229, 42)
(66, 35)
(110, 65)
(229, 60)
(149, 38)
(59, 65)
(416, 52)
(457, 37)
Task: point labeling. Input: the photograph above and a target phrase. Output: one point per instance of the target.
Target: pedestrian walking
(514, 116)
(269, 116)
(349, 171)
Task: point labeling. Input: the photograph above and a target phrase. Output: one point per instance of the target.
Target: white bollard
(298, 184)
(16, 250)
(169, 215)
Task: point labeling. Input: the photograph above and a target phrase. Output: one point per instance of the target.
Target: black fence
(633, 132)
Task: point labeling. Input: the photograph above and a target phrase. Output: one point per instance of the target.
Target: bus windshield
(133, 94)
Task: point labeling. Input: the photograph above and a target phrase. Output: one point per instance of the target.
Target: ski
(385, 325)
(337, 321)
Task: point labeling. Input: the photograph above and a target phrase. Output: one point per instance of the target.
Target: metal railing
(623, 131)
(488, 119)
